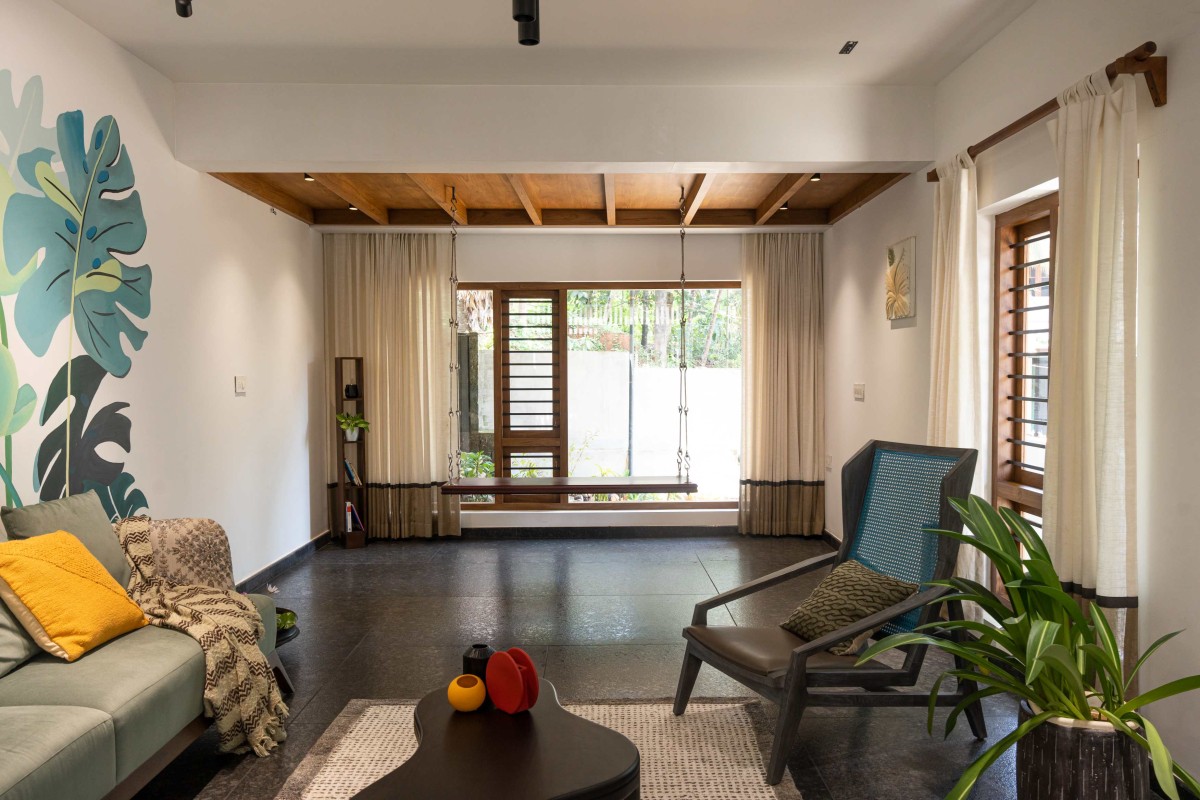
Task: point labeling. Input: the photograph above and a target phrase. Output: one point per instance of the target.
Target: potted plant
(352, 424)
(1063, 662)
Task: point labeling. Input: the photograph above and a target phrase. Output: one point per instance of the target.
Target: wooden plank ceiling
(709, 199)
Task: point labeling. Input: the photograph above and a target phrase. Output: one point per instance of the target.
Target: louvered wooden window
(531, 392)
(1023, 316)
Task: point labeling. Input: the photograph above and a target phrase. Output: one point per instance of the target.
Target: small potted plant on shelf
(1065, 665)
(352, 425)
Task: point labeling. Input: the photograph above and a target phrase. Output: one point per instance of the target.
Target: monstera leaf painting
(69, 457)
(117, 498)
(81, 224)
(21, 131)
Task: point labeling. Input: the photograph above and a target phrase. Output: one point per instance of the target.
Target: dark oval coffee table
(544, 754)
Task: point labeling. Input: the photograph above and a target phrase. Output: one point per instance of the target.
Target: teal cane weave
(904, 496)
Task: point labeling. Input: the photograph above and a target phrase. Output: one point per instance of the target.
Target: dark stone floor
(602, 618)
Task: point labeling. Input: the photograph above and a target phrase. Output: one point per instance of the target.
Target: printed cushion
(63, 597)
(81, 515)
(849, 593)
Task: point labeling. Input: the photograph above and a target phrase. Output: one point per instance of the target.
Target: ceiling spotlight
(816, 178)
(183, 8)
(353, 207)
(309, 178)
(529, 33)
(784, 207)
(525, 10)
(848, 47)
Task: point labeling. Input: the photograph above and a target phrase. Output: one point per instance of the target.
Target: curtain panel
(387, 300)
(783, 408)
(1089, 506)
(960, 386)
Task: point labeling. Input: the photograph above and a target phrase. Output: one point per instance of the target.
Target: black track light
(309, 178)
(529, 33)
(183, 8)
(816, 178)
(525, 10)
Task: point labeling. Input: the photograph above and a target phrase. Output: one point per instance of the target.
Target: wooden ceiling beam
(262, 191)
(581, 217)
(353, 194)
(782, 192)
(695, 196)
(864, 193)
(528, 196)
(610, 198)
(424, 217)
(441, 194)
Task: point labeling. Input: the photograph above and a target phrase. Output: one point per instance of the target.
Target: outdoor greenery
(1063, 660)
(646, 321)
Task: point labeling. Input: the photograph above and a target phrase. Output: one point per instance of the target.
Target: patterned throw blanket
(240, 691)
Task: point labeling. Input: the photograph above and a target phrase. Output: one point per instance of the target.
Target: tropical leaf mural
(69, 461)
(69, 219)
(117, 498)
(21, 131)
(81, 228)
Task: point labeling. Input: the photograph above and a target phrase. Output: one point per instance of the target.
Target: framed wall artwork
(899, 279)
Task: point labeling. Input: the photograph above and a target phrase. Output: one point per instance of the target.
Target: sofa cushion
(63, 752)
(81, 515)
(266, 610)
(16, 646)
(63, 596)
(151, 682)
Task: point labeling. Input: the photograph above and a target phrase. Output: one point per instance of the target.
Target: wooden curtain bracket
(1139, 61)
(1155, 70)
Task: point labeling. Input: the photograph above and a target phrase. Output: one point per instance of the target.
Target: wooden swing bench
(599, 485)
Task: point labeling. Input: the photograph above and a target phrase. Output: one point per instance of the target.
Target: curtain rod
(1136, 61)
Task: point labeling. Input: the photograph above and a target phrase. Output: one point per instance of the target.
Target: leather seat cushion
(764, 651)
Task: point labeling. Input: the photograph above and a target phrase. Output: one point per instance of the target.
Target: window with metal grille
(1024, 309)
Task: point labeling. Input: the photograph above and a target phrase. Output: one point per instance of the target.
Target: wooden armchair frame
(799, 686)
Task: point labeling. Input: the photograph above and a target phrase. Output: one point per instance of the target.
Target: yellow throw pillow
(63, 596)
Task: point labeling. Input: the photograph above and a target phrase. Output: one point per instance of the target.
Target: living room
(609, 336)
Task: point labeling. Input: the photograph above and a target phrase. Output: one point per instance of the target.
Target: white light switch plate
(239, 385)
(860, 392)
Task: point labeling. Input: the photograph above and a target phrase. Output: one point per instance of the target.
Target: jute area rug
(716, 751)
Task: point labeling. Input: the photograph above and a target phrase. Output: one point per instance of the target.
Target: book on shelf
(351, 475)
(353, 520)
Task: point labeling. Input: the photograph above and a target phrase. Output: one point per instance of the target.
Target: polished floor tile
(602, 619)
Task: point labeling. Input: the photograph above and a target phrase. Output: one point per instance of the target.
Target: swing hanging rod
(1139, 61)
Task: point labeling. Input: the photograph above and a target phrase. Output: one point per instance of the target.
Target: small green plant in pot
(352, 425)
(1063, 662)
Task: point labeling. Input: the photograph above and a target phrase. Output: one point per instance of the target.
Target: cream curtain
(959, 375)
(1089, 506)
(783, 408)
(387, 300)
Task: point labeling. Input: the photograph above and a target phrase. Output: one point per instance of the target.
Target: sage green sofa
(103, 726)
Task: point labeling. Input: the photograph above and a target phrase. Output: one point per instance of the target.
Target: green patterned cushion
(849, 593)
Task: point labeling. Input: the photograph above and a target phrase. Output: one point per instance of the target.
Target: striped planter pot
(1066, 759)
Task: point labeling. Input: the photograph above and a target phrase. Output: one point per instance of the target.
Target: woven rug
(716, 751)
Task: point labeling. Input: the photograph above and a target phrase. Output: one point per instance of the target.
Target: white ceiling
(606, 42)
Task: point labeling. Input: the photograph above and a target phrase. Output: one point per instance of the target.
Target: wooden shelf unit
(349, 369)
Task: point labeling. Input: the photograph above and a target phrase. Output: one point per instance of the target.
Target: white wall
(595, 256)
(862, 345)
(400, 128)
(236, 291)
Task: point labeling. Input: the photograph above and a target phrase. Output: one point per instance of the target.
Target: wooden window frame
(562, 502)
(1013, 486)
